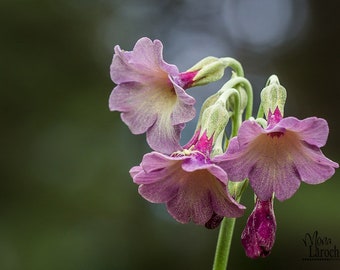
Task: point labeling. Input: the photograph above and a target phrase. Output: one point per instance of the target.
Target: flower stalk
(227, 230)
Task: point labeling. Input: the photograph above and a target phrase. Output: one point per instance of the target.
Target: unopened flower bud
(258, 236)
(273, 96)
(214, 119)
(209, 69)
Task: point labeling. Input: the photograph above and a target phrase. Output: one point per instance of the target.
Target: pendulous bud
(258, 236)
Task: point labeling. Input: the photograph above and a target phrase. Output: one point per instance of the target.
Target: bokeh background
(66, 198)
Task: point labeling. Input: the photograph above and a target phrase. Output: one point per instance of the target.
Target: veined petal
(149, 54)
(155, 161)
(247, 132)
(154, 167)
(312, 165)
(267, 177)
(236, 162)
(220, 198)
(192, 203)
(144, 63)
(132, 100)
(193, 164)
(183, 110)
(164, 137)
(274, 170)
(135, 170)
(148, 110)
(159, 191)
(312, 130)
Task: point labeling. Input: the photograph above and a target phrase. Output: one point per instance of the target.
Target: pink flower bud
(258, 236)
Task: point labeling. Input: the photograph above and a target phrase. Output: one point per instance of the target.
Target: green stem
(237, 117)
(260, 112)
(233, 82)
(226, 93)
(249, 109)
(223, 244)
(227, 229)
(234, 64)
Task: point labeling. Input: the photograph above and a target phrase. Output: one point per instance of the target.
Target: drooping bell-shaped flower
(192, 187)
(258, 236)
(150, 94)
(277, 158)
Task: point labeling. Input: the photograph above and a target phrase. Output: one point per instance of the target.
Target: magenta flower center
(185, 79)
(275, 134)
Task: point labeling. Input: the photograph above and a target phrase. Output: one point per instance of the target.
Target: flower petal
(155, 167)
(312, 130)
(268, 177)
(155, 161)
(160, 191)
(313, 166)
(193, 199)
(184, 109)
(150, 55)
(148, 110)
(142, 64)
(135, 170)
(236, 162)
(164, 137)
(249, 130)
(223, 204)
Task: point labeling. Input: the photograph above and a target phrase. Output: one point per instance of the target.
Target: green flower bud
(273, 96)
(214, 119)
(209, 69)
(207, 103)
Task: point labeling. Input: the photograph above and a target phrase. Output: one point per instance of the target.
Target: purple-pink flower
(276, 159)
(192, 187)
(258, 236)
(150, 94)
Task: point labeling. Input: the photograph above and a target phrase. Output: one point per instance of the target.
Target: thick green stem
(227, 229)
(223, 244)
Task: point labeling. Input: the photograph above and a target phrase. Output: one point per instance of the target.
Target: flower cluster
(202, 181)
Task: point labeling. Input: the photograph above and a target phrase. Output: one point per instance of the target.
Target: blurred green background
(66, 198)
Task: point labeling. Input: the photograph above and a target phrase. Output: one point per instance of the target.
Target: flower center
(275, 134)
(191, 152)
(275, 146)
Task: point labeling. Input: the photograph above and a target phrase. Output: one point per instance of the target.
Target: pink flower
(258, 236)
(278, 158)
(150, 94)
(192, 187)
